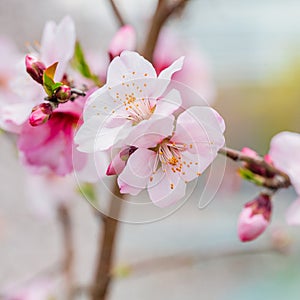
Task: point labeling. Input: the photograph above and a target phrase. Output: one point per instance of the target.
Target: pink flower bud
(254, 218)
(35, 68)
(63, 93)
(40, 114)
(124, 39)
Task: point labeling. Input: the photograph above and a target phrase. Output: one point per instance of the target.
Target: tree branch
(162, 13)
(279, 180)
(117, 13)
(107, 241)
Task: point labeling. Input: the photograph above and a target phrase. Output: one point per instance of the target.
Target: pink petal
(124, 39)
(138, 169)
(169, 103)
(293, 213)
(149, 133)
(285, 154)
(166, 188)
(251, 226)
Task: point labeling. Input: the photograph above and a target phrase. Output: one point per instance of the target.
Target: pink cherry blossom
(130, 97)
(285, 154)
(124, 39)
(195, 72)
(254, 218)
(49, 147)
(165, 161)
(41, 289)
(57, 45)
(251, 226)
(46, 193)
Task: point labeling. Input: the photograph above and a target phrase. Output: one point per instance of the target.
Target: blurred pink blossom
(124, 39)
(285, 154)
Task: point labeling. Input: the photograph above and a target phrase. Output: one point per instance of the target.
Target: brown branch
(117, 13)
(279, 180)
(162, 13)
(107, 242)
(68, 262)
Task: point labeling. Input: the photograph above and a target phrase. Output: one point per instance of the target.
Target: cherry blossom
(124, 39)
(166, 160)
(254, 218)
(285, 154)
(130, 97)
(57, 45)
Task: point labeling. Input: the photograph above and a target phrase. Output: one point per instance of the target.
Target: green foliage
(80, 64)
(48, 80)
(250, 176)
(88, 191)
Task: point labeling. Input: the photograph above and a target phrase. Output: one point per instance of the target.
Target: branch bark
(279, 180)
(106, 252)
(162, 13)
(117, 13)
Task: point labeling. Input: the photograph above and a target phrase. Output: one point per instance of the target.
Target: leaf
(48, 80)
(79, 63)
(50, 71)
(250, 176)
(88, 191)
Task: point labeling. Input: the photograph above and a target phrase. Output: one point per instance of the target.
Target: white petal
(130, 65)
(293, 213)
(166, 188)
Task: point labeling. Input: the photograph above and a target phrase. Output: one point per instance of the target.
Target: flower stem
(68, 261)
(107, 241)
(117, 13)
(162, 13)
(280, 180)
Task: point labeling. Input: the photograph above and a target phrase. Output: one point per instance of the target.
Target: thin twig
(68, 262)
(107, 242)
(117, 13)
(279, 180)
(162, 13)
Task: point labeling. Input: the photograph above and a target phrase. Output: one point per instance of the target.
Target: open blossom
(285, 153)
(254, 218)
(164, 160)
(130, 97)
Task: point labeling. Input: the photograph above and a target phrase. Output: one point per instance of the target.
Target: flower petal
(285, 154)
(293, 213)
(138, 169)
(124, 39)
(166, 188)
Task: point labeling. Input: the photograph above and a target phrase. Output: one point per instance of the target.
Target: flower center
(138, 109)
(169, 154)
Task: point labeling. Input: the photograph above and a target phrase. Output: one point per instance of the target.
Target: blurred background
(252, 51)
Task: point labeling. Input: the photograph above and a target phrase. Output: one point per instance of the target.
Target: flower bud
(35, 68)
(254, 218)
(63, 93)
(40, 114)
(124, 39)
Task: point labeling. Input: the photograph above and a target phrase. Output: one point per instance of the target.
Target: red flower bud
(254, 218)
(35, 68)
(40, 114)
(63, 93)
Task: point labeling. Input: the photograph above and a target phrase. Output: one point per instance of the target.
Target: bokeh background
(253, 49)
